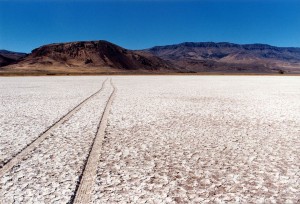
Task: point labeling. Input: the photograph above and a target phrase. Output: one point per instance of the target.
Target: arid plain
(150, 139)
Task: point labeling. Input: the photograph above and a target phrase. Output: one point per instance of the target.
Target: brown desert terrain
(102, 57)
(228, 57)
(87, 58)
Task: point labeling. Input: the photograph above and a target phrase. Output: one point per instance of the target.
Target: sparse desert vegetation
(168, 139)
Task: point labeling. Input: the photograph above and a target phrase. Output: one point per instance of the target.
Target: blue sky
(137, 24)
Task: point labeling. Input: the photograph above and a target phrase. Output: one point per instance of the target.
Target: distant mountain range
(229, 57)
(190, 57)
(8, 57)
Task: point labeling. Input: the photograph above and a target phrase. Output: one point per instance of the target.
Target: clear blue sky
(136, 24)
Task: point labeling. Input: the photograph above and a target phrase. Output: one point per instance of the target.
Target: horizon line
(216, 42)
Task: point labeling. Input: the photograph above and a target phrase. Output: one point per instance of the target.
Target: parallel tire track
(84, 189)
(34, 144)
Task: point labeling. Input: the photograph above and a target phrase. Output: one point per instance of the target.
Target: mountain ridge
(191, 57)
(90, 56)
(207, 43)
(230, 57)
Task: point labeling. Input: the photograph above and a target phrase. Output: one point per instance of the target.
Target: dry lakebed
(150, 139)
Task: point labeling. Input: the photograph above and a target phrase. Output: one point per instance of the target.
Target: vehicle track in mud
(30, 147)
(84, 189)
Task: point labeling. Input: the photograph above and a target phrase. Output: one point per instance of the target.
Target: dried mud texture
(51, 172)
(30, 105)
(220, 139)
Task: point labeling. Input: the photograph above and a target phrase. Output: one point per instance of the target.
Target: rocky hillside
(96, 54)
(229, 57)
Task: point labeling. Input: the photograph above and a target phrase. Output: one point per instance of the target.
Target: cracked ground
(202, 139)
(169, 139)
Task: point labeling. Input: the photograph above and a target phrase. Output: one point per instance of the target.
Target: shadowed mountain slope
(8, 57)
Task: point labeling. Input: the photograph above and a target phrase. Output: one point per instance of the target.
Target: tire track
(84, 189)
(34, 144)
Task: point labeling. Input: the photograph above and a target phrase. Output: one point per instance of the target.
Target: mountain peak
(88, 54)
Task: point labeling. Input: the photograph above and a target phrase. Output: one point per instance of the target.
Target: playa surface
(167, 139)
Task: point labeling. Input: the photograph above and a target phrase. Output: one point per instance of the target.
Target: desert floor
(150, 139)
